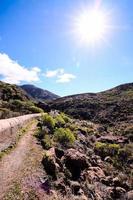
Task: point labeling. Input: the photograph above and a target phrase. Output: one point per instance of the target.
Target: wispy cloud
(65, 78)
(60, 75)
(53, 73)
(13, 72)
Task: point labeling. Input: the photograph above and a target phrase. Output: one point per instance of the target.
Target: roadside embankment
(9, 129)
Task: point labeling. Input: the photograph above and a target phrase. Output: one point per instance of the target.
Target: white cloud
(65, 78)
(53, 73)
(13, 72)
(60, 75)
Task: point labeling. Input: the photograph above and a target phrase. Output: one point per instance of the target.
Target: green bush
(64, 136)
(59, 121)
(72, 127)
(65, 117)
(35, 109)
(104, 149)
(47, 142)
(18, 103)
(48, 121)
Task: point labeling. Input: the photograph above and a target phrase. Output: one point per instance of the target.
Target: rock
(107, 180)
(46, 186)
(75, 186)
(80, 192)
(59, 153)
(116, 182)
(60, 185)
(82, 139)
(115, 193)
(96, 161)
(89, 152)
(95, 174)
(119, 192)
(49, 163)
(129, 195)
(108, 159)
(101, 129)
(92, 139)
(84, 132)
(75, 162)
(112, 139)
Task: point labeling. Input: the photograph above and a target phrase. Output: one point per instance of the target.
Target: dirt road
(22, 165)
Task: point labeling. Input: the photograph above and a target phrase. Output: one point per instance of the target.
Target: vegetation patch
(104, 149)
(48, 121)
(64, 136)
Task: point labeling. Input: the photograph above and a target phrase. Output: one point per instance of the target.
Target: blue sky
(38, 46)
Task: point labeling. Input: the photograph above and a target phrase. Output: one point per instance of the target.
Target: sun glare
(91, 26)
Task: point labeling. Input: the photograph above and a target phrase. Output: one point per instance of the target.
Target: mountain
(38, 93)
(14, 101)
(108, 107)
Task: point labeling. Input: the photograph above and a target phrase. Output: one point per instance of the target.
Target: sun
(91, 26)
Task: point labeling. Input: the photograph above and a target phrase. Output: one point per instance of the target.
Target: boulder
(120, 191)
(49, 163)
(59, 153)
(75, 162)
(95, 174)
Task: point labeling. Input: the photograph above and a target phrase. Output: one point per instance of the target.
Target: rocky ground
(95, 165)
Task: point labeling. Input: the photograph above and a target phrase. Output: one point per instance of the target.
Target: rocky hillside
(8, 91)
(14, 101)
(84, 161)
(108, 107)
(38, 93)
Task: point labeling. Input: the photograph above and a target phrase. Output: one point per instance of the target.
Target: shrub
(104, 149)
(65, 117)
(18, 103)
(64, 136)
(59, 121)
(47, 142)
(35, 109)
(48, 121)
(72, 127)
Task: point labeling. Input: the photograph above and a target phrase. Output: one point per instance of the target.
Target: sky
(41, 44)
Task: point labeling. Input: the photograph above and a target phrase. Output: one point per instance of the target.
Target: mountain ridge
(107, 106)
(37, 93)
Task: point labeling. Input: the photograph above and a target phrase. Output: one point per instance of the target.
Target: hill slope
(38, 93)
(14, 101)
(9, 91)
(106, 107)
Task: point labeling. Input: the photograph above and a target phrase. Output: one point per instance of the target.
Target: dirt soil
(21, 170)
